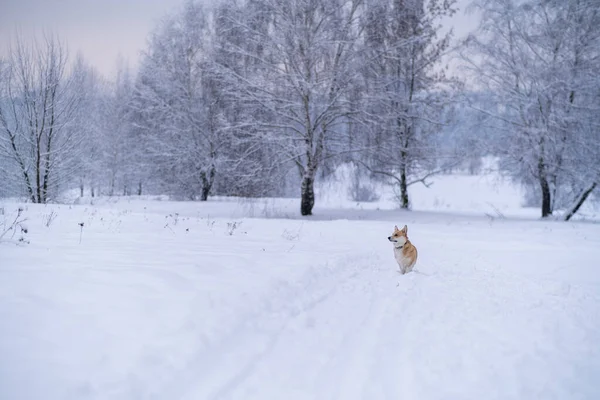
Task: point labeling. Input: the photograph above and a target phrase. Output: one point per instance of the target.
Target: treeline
(259, 97)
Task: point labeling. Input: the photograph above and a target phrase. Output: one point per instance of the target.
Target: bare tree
(176, 105)
(120, 149)
(539, 61)
(299, 67)
(404, 88)
(38, 102)
(87, 122)
(579, 22)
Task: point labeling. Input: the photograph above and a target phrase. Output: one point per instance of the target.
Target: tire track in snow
(350, 366)
(321, 361)
(332, 359)
(295, 324)
(380, 362)
(216, 370)
(356, 330)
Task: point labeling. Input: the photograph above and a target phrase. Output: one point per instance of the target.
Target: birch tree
(300, 57)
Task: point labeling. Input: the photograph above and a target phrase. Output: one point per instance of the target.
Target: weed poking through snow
(290, 235)
(49, 218)
(80, 231)
(232, 226)
(14, 225)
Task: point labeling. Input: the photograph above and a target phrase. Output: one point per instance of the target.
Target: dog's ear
(396, 228)
(405, 229)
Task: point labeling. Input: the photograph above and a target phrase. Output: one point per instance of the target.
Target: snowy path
(297, 340)
(298, 310)
(355, 334)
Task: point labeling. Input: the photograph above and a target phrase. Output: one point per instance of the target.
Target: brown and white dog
(404, 251)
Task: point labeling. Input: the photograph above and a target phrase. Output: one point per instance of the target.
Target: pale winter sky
(104, 29)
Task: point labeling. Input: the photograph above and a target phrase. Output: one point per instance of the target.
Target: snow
(170, 300)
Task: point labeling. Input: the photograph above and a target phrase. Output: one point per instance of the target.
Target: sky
(100, 29)
(104, 30)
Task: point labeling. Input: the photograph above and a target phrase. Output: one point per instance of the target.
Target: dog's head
(399, 237)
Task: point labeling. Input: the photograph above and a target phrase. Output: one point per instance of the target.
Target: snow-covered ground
(245, 300)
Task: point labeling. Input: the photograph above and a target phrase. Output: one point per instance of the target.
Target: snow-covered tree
(298, 67)
(121, 149)
(539, 62)
(87, 122)
(404, 85)
(175, 104)
(253, 166)
(39, 99)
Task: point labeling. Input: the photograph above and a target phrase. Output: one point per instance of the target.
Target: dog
(404, 251)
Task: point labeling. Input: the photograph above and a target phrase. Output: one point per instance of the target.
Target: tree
(38, 103)
(176, 106)
(252, 166)
(7, 166)
(121, 149)
(579, 22)
(538, 59)
(87, 122)
(299, 58)
(404, 86)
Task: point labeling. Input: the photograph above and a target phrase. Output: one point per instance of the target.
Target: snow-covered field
(245, 300)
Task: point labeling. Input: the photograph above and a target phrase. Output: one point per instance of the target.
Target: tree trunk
(38, 173)
(47, 160)
(139, 192)
(545, 188)
(546, 197)
(81, 193)
(111, 190)
(403, 186)
(207, 182)
(17, 156)
(307, 201)
(204, 194)
(580, 200)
